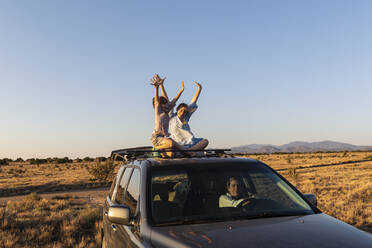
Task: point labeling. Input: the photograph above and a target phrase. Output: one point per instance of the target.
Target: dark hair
(181, 105)
(162, 99)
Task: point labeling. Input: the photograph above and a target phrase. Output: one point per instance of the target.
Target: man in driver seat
(233, 196)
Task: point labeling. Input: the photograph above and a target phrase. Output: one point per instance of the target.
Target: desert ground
(341, 181)
(57, 204)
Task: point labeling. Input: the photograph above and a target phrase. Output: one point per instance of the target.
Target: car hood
(316, 230)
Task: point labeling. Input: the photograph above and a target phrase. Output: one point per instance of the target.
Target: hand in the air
(182, 86)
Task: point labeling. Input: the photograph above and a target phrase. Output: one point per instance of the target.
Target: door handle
(113, 226)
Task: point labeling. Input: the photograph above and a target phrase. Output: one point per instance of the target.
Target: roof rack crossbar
(148, 151)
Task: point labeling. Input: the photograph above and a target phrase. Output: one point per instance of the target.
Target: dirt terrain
(94, 197)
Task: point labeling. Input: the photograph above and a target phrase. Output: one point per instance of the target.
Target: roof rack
(128, 154)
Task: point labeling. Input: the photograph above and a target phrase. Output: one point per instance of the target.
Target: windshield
(204, 193)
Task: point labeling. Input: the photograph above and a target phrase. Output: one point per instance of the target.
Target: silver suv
(190, 202)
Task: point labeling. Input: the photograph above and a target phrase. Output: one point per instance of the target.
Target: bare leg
(168, 143)
(165, 144)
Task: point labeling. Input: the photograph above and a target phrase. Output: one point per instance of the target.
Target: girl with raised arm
(179, 124)
(160, 137)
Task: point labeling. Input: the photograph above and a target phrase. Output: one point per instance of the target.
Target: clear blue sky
(74, 75)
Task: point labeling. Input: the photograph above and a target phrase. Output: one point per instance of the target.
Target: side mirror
(312, 199)
(119, 214)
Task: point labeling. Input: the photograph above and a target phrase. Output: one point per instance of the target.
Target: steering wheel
(260, 204)
(248, 202)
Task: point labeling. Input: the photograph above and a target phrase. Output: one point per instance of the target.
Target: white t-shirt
(181, 132)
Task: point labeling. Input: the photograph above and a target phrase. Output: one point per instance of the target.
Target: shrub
(41, 161)
(289, 160)
(8, 160)
(101, 159)
(32, 197)
(62, 197)
(88, 159)
(64, 160)
(3, 162)
(292, 173)
(103, 171)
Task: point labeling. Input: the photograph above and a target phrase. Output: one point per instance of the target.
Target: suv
(189, 202)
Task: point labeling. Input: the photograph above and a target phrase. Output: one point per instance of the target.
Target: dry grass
(23, 175)
(343, 191)
(280, 161)
(59, 222)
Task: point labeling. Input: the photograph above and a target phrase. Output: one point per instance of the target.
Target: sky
(74, 75)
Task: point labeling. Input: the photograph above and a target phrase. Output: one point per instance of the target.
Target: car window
(112, 187)
(267, 189)
(132, 193)
(119, 198)
(219, 192)
(169, 192)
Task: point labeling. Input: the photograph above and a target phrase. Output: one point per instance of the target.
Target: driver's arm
(226, 201)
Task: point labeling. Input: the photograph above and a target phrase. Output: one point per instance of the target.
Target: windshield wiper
(190, 221)
(179, 222)
(275, 214)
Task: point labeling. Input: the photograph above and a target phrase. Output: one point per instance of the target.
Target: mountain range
(299, 146)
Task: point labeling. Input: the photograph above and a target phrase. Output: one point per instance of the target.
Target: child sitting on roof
(160, 137)
(179, 124)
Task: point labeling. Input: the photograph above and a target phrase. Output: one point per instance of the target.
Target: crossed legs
(168, 143)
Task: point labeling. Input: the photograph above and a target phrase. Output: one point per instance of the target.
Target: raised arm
(197, 93)
(155, 83)
(175, 99)
(162, 89)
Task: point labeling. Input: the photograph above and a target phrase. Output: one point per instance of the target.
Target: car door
(117, 199)
(106, 223)
(108, 202)
(129, 236)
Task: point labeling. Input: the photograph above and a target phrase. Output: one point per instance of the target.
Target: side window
(132, 193)
(114, 183)
(119, 197)
(112, 187)
(169, 191)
